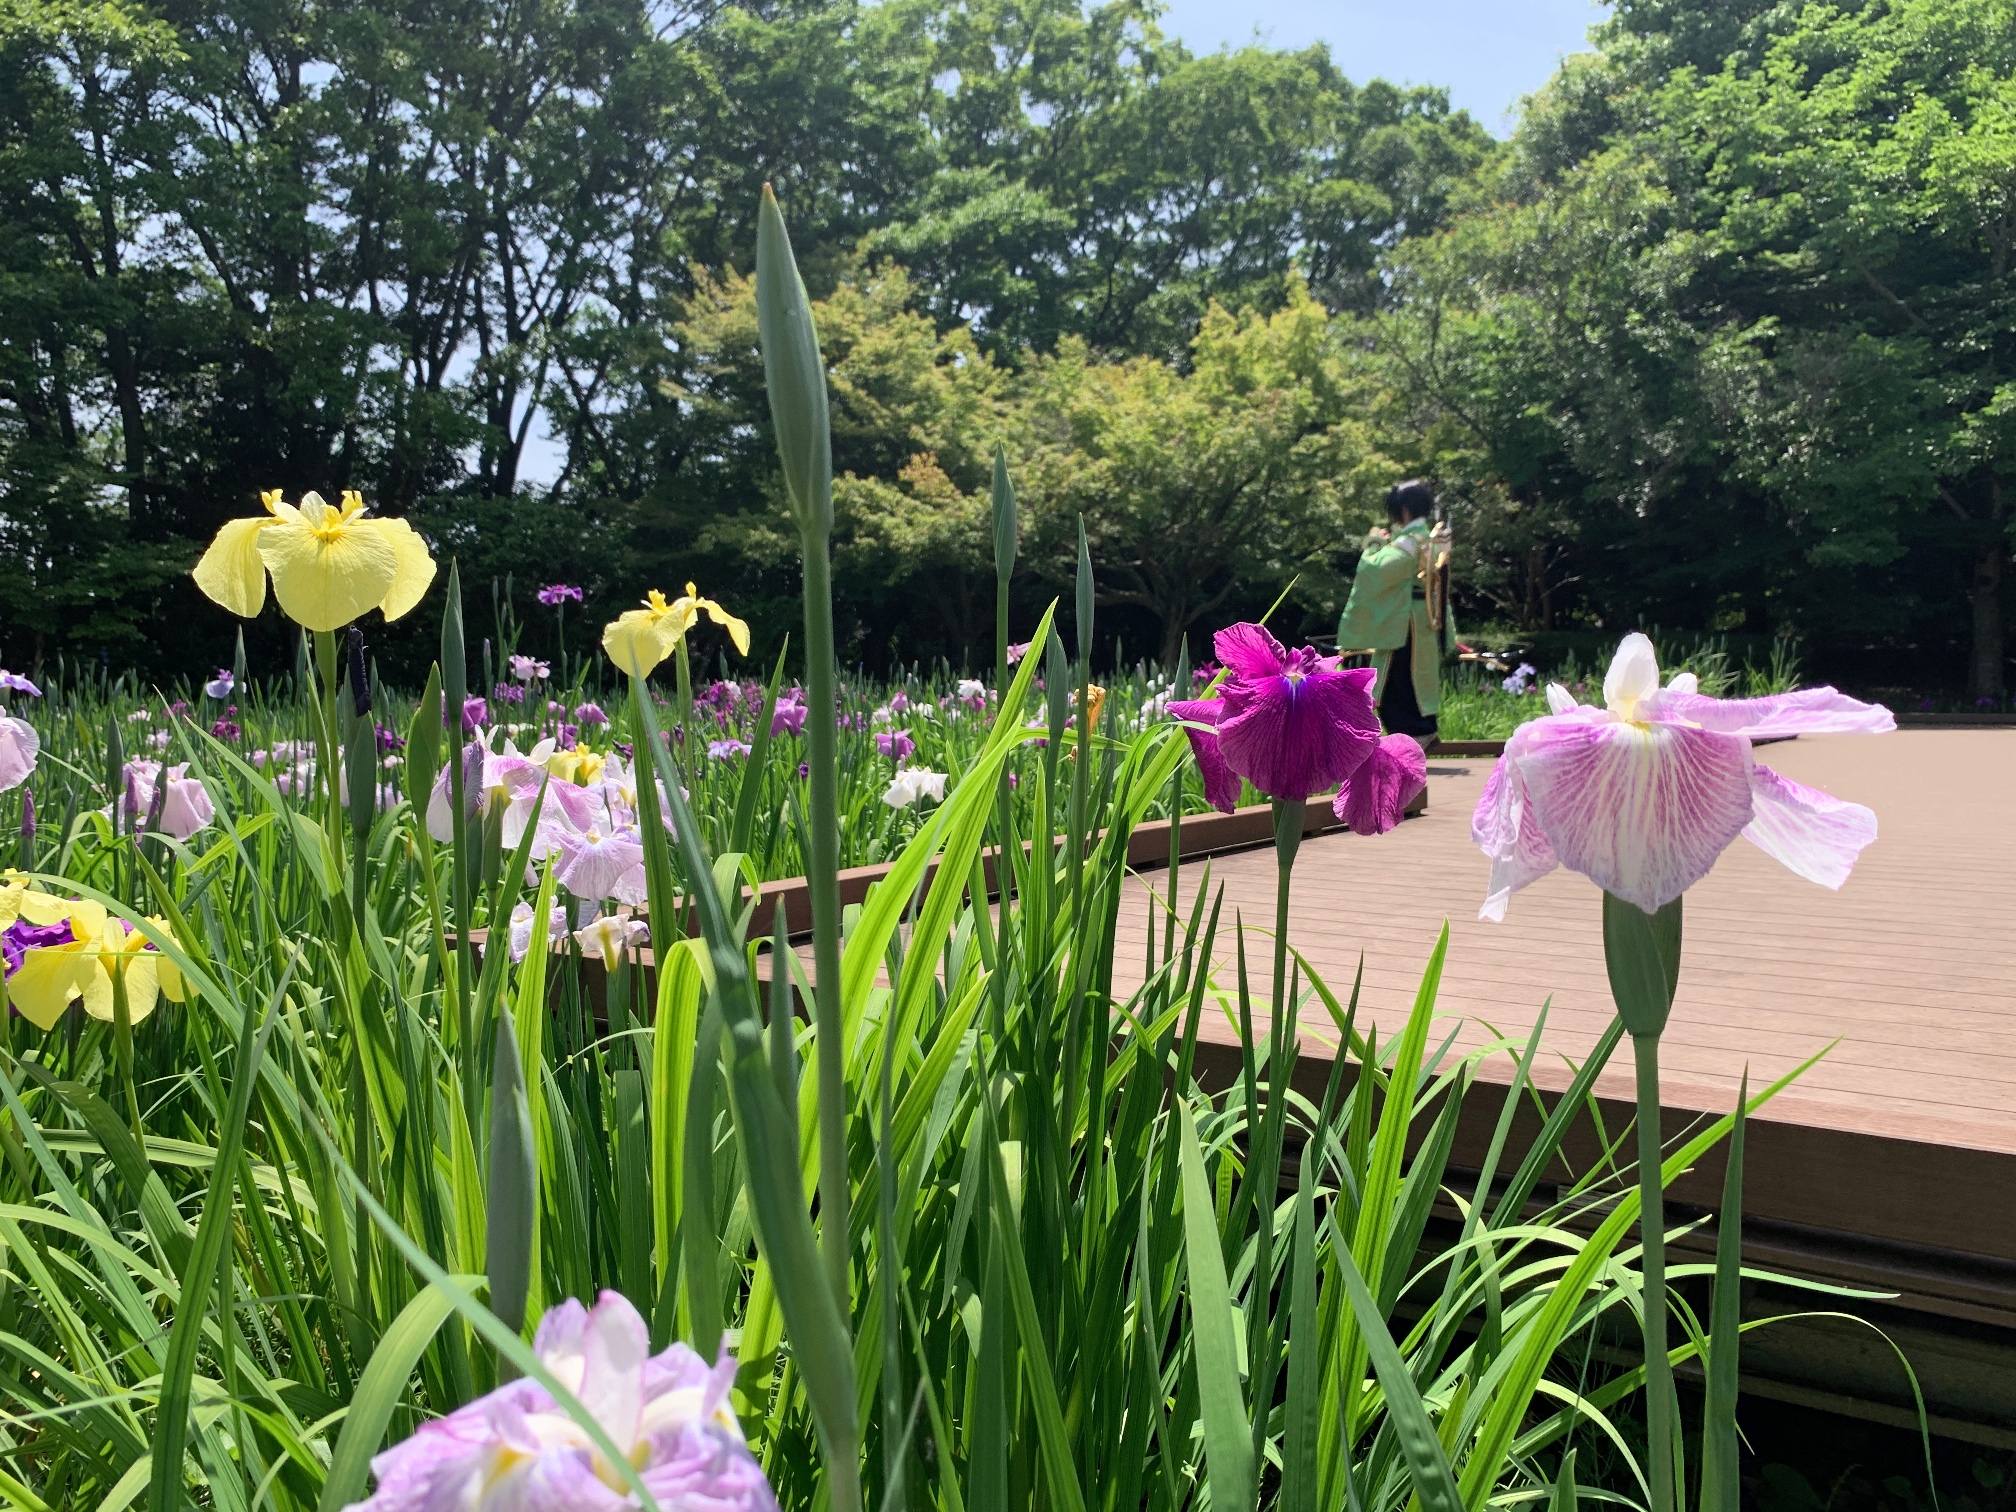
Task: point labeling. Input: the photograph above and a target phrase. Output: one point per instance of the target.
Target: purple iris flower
(895, 744)
(590, 714)
(1289, 722)
(475, 712)
(14, 682)
(721, 750)
(554, 594)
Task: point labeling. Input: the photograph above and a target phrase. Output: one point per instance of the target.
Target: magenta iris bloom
(788, 718)
(1643, 794)
(554, 594)
(515, 1450)
(1289, 722)
(895, 744)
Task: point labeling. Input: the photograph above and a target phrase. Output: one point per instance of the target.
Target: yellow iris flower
(330, 563)
(51, 976)
(638, 639)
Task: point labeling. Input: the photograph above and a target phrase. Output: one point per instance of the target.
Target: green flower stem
(1661, 1406)
(1288, 819)
(823, 879)
(122, 1047)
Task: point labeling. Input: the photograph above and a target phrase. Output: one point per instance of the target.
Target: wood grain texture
(1906, 978)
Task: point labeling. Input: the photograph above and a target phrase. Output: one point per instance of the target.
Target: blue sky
(1488, 52)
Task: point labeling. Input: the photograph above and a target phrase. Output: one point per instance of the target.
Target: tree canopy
(1720, 339)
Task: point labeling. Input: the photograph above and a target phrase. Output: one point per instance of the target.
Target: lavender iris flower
(895, 744)
(554, 594)
(515, 1450)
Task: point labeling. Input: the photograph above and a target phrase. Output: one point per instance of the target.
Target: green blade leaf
(380, 1388)
(1434, 1482)
(1721, 1481)
(1228, 1432)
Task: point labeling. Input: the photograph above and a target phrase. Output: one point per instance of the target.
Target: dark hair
(1412, 500)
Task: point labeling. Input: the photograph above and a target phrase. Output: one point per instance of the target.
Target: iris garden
(408, 1104)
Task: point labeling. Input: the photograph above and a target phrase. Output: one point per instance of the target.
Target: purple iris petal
(1221, 783)
(1292, 725)
(1374, 797)
(20, 937)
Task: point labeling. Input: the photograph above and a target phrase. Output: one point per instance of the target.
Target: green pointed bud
(1642, 952)
(514, 1182)
(1007, 526)
(794, 373)
(1084, 625)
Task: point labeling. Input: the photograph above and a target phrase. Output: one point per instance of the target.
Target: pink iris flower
(185, 805)
(1643, 794)
(515, 1450)
(591, 864)
(1294, 725)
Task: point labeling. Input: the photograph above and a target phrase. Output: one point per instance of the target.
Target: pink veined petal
(1296, 737)
(1810, 711)
(1504, 829)
(1250, 651)
(1812, 833)
(1642, 810)
(591, 866)
(1373, 798)
(19, 746)
(561, 1342)
(632, 887)
(562, 1480)
(1221, 783)
(185, 807)
(614, 1350)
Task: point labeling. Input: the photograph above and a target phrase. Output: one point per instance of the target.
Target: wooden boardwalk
(1904, 1134)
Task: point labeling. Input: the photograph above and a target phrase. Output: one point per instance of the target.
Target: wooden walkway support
(1892, 1162)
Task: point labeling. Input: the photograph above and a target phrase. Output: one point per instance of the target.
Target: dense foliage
(1718, 341)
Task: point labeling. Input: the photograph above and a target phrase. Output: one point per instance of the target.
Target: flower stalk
(1642, 954)
(795, 375)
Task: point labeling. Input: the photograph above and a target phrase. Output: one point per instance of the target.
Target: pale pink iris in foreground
(1643, 794)
(515, 1450)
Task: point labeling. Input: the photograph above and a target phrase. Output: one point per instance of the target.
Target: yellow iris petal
(328, 570)
(738, 631)
(232, 572)
(143, 984)
(41, 908)
(87, 919)
(639, 639)
(47, 980)
(415, 566)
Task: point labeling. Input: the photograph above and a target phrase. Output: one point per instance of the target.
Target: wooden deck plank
(1909, 972)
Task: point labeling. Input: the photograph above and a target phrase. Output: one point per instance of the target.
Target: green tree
(1243, 470)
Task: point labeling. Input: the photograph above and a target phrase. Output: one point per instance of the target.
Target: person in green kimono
(1387, 614)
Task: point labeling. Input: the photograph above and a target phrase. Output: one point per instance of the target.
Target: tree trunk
(1172, 639)
(1985, 665)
